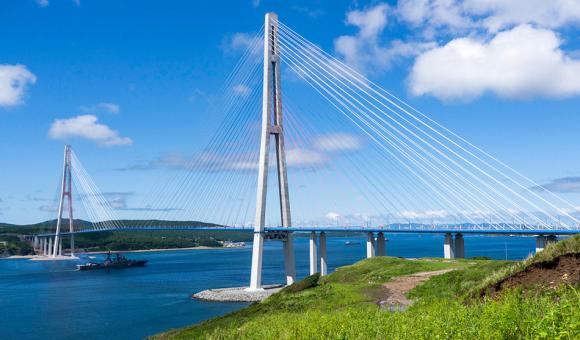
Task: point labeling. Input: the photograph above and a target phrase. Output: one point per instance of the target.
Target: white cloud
(364, 50)
(14, 80)
(333, 142)
(409, 214)
(242, 90)
(303, 157)
(241, 42)
(455, 16)
(333, 215)
(42, 3)
(102, 107)
(499, 14)
(255, 3)
(518, 63)
(87, 127)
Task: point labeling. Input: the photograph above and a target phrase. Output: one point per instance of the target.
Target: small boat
(119, 262)
(351, 243)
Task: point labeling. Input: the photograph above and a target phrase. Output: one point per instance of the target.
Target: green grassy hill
(454, 305)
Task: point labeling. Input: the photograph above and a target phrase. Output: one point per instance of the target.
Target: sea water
(51, 300)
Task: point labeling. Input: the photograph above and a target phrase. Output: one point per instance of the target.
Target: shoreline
(33, 257)
(149, 250)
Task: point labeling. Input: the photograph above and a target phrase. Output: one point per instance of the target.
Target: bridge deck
(351, 229)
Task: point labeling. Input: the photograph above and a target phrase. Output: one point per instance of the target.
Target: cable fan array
(422, 160)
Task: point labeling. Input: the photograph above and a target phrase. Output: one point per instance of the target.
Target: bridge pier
(323, 263)
(43, 245)
(60, 248)
(381, 244)
(257, 250)
(35, 243)
(50, 248)
(289, 262)
(540, 243)
(459, 246)
(449, 247)
(72, 245)
(370, 245)
(313, 254)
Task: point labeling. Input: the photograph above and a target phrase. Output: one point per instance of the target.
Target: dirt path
(395, 290)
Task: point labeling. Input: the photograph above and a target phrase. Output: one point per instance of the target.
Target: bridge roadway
(350, 229)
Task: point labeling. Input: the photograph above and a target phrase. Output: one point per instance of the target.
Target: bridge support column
(72, 245)
(448, 247)
(289, 262)
(50, 248)
(313, 254)
(60, 248)
(43, 245)
(540, 243)
(323, 262)
(370, 245)
(257, 252)
(35, 243)
(381, 244)
(459, 246)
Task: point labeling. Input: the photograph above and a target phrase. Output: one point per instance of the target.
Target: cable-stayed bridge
(333, 140)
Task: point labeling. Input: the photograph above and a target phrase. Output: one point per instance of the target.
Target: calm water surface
(44, 300)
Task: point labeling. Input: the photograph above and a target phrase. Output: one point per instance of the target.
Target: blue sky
(144, 73)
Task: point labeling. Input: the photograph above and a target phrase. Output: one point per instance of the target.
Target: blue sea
(51, 300)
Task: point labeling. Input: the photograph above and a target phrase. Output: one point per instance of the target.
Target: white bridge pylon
(272, 125)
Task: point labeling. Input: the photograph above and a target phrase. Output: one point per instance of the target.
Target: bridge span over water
(416, 169)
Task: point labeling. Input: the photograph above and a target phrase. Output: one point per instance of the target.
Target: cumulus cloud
(87, 127)
(42, 3)
(14, 80)
(563, 185)
(298, 157)
(517, 63)
(364, 50)
(333, 142)
(102, 107)
(333, 215)
(241, 42)
(455, 16)
(498, 14)
(242, 90)
(428, 214)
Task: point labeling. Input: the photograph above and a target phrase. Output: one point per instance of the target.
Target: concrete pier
(370, 245)
(381, 244)
(323, 261)
(50, 248)
(540, 243)
(459, 246)
(313, 254)
(448, 247)
(289, 261)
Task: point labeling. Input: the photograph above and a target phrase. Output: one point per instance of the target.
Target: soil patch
(394, 292)
(564, 269)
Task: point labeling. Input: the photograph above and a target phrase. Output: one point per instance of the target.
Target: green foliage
(342, 306)
(12, 245)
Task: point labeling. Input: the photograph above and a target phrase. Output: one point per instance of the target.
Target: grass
(343, 305)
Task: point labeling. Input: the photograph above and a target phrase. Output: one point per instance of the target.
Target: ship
(118, 262)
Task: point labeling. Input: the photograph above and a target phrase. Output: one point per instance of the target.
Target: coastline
(150, 250)
(36, 257)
